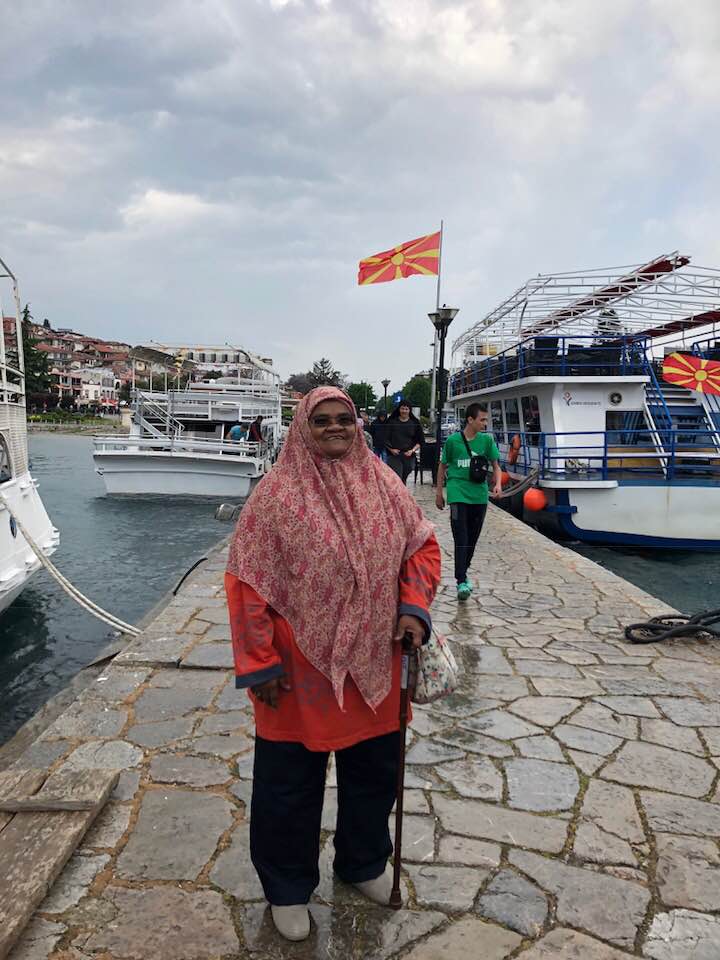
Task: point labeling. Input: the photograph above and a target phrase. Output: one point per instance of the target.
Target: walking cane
(408, 653)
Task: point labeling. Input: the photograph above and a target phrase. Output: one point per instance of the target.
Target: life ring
(514, 451)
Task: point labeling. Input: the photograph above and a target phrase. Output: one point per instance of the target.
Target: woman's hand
(395, 453)
(413, 627)
(409, 453)
(269, 693)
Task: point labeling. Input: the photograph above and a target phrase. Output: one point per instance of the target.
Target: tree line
(364, 395)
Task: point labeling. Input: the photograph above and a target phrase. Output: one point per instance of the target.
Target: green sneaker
(464, 590)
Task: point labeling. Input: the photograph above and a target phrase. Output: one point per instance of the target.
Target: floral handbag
(436, 671)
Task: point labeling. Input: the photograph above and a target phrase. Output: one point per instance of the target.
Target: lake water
(123, 553)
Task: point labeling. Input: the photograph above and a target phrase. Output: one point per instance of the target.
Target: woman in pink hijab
(332, 563)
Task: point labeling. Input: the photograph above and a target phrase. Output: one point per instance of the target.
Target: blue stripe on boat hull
(568, 526)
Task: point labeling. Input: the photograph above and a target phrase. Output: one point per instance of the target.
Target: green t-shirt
(460, 488)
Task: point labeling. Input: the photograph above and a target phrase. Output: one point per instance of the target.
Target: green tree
(37, 372)
(299, 382)
(362, 395)
(417, 393)
(323, 373)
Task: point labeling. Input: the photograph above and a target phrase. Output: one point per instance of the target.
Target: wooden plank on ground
(19, 782)
(40, 805)
(35, 846)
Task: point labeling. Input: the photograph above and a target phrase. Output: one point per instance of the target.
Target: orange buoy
(534, 499)
(504, 477)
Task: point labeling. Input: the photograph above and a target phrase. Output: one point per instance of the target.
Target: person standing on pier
(331, 565)
(403, 439)
(378, 432)
(467, 494)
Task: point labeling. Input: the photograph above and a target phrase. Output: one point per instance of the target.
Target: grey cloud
(216, 169)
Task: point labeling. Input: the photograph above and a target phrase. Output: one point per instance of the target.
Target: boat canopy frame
(662, 298)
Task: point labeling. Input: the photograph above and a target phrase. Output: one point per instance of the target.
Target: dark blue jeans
(466, 522)
(286, 809)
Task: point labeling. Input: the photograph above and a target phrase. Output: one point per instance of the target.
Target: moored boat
(20, 503)
(178, 444)
(570, 368)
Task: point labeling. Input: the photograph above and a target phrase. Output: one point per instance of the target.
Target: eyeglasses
(322, 421)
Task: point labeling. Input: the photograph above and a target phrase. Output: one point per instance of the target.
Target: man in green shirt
(467, 498)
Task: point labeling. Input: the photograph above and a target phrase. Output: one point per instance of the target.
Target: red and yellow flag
(692, 372)
(416, 256)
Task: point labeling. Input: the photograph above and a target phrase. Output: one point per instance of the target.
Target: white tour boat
(570, 368)
(20, 503)
(178, 444)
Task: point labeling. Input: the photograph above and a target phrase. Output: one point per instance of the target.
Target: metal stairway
(154, 418)
(685, 414)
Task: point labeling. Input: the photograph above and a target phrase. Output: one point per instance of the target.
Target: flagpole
(433, 388)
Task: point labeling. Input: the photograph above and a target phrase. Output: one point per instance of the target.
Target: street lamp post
(386, 384)
(441, 320)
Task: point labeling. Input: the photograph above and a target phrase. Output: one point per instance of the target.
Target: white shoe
(379, 889)
(293, 922)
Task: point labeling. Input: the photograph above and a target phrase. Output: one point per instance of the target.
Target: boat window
(625, 427)
(531, 418)
(512, 416)
(496, 419)
(5, 462)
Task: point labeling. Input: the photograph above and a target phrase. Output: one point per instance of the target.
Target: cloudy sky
(212, 171)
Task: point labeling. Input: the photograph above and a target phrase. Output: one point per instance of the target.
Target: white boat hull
(17, 561)
(654, 515)
(161, 473)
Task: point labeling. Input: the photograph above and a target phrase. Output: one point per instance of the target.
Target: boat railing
(216, 405)
(149, 406)
(172, 444)
(684, 455)
(168, 407)
(256, 387)
(708, 349)
(557, 356)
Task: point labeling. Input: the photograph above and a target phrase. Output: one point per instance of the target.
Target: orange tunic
(264, 648)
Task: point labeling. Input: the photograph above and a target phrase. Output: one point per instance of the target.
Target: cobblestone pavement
(563, 803)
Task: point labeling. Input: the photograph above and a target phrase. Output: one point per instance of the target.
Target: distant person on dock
(403, 440)
(467, 494)
(238, 432)
(332, 563)
(378, 432)
(364, 425)
(255, 432)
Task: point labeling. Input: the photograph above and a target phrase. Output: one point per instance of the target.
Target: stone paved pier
(564, 803)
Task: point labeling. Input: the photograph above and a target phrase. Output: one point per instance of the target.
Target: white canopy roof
(663, 297)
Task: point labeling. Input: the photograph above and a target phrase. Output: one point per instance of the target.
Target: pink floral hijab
(322, 541)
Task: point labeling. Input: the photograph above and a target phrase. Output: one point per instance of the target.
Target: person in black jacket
(403, 440)
(378, 432)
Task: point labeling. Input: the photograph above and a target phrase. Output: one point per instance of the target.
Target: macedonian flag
(416, 256)
(692, 372)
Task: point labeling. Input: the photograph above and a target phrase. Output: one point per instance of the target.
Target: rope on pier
(520, 487)
(66, 585)
(675, 625)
